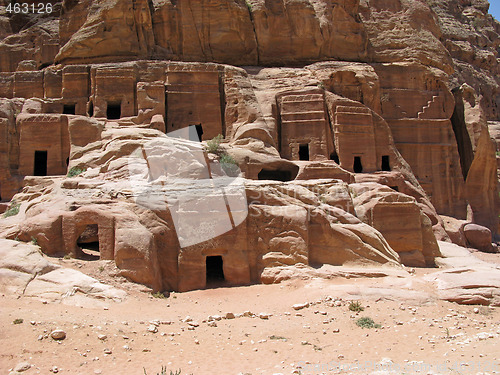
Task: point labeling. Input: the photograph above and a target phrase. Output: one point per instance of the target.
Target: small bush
(366, 322)
(158, 295)
(356, 306)
(229, 165)
(18, 321)
(13, 210)
(164, 372)
(75, 171)
(213, 145)
(249, 5)
(34, 241)
(274, 337)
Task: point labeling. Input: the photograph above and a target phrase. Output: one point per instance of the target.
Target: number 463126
(29, 8)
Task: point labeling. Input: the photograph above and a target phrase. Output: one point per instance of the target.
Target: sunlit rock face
(208, 141)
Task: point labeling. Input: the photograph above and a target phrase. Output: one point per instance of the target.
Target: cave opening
(335, 157)
(304, 151)
(114, 111)
(199, 131)
(88, 242)
(214, 270)
(357, 166)
(276, 175)
(40, 165)
(386, 166)
(69, 109)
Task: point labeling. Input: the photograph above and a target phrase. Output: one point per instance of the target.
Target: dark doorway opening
(114, 111)
(215, 270)
(357, 166)
(199, 131)
(334, 157)
(385, 163)
(91, 109)
(40, 168)
(304, 151)
(67, 162)
(394, 188)
(88, 242)
(69, 109)
(276, 175)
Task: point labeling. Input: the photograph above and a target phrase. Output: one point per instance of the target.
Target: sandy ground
(418, 335)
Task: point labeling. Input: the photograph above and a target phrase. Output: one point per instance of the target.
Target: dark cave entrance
(357, 166)
(215, 270)
(334, 156)
(114, 111)
(88, 242)
(91, 109)
(276, 175)
(69, 109)
(385, 163)
(40, 165)
(199, 131)
(304, 151)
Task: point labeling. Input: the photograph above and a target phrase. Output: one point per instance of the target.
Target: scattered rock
(22, 366)
(300, 306)
(58, 334)
(152, 328)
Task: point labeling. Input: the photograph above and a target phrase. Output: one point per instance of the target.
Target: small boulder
(300, 306)
(478, 237)
(58, 334)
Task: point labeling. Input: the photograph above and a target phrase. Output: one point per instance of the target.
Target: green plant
(67, 256)
(34, 241)
(158, 295)
(18, 321)
(356, 306)
(274, 337)
(214, 144)
(101, 268)
(75, 171)
(321, 85)
(229, 165)
(249, 5)
(13, 210)
(366, 322)
(164, 372)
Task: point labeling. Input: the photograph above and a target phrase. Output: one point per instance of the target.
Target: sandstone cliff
(312, 132)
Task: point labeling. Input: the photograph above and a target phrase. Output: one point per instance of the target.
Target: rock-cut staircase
(433, 109)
